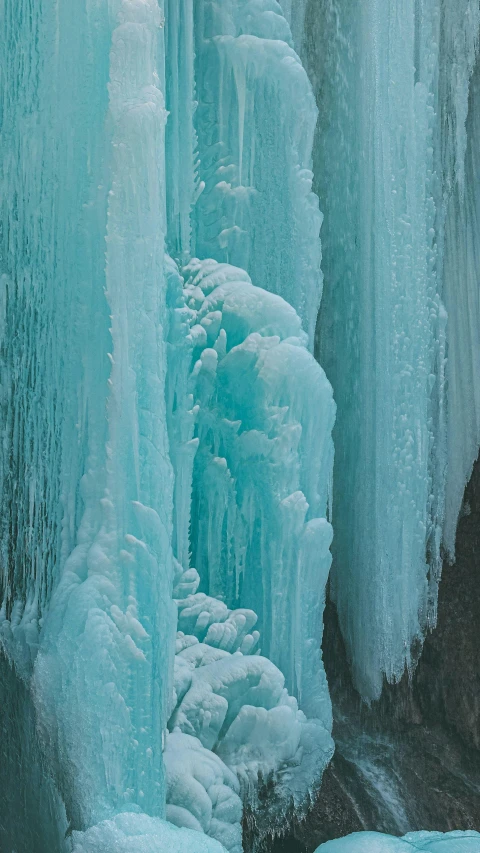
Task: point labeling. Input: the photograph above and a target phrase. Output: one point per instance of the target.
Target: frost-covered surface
(255, 123)
(240, 440)
(431, 842)
(139, 833)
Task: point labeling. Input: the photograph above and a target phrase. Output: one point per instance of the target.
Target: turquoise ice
(167, 482)
(432, 842)
(166, 456)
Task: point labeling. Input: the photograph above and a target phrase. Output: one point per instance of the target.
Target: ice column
(109, 707)
(86, 542)
(182, 182)
(250, 415)
(400, 202)
(460, 270)
(255, 121)
(381, 335)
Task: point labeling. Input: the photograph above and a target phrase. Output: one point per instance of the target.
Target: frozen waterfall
(170, 501)
(392, 84)
(166, 462)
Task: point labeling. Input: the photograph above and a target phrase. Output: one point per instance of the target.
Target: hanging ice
(255, 122)
(461, 277)
(392, 131)
(154, 420)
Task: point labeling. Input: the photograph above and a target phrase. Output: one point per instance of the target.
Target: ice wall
(392, 89)
(461, 277)
(158, 415)
(382, 324)
(255, 122)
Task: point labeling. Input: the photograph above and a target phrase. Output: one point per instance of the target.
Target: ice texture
(166, 454)
(396, 155)
(255, 122)
(432, 842)
(139, 833)
(240, 440)
(461, 268)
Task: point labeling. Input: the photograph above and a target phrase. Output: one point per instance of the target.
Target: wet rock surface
(412, 760)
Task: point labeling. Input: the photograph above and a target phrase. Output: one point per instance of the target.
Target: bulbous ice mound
(138, 833)
(261, 478)
(202, 793)
(250, 417)
(430, 842)
(234, 724)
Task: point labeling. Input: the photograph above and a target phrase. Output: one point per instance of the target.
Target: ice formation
(240, 437)
(139, 833)
(255, 120)
(166, 443)
(160, 415)
(432, 842)
(395, 198)
(461, 274)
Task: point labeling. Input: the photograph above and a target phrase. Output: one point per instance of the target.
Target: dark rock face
(447, 681)
(412, 760)
(32, 815)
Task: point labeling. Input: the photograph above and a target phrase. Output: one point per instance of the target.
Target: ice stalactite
(460, 269)
(382, 324)
(130, 389)
(395, 153)
(255, 122)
